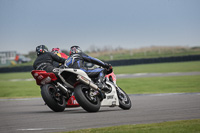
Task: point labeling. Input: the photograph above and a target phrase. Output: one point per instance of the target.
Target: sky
(25, 24)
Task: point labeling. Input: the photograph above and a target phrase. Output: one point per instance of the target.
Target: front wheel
(53, 98)
(124, 100)
(84, 98)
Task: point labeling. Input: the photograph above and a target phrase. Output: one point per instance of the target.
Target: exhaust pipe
(87, 82)
(64, 89)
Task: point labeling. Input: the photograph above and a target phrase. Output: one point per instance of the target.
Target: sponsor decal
(110, 97)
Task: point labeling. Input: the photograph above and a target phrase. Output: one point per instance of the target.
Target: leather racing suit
(77, 61)
(45, 62)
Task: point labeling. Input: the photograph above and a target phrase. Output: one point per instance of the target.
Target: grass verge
(19, 89)
(176, 84)
(184, 126)
(17, 75)
(159, 68)
(179, 84)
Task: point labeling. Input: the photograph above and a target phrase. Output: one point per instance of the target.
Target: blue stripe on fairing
(78, 63)
(93, 70)
(101, 73)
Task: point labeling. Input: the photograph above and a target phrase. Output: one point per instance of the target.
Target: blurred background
(108, 30)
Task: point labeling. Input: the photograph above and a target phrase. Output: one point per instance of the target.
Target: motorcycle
(73, 88)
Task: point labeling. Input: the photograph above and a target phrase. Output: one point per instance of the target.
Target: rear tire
(88, 103)
(124, 100)
(56, 103)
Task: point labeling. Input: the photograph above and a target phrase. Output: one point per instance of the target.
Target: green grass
(159, 68)
(145, 68)
(185, 126)
(176, 84)
(17, 75)
(19, 89)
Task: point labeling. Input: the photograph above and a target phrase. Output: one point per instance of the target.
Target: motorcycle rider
(44, 60)
(76, 60)
(60, 54)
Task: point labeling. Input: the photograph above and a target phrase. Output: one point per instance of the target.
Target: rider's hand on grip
(108, 66)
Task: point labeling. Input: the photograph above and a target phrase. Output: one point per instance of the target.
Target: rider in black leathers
(76, 60)
(44, 60)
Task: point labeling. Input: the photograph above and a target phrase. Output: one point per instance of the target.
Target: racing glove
(108, 66)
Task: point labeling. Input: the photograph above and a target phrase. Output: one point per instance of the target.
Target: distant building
(7, 57)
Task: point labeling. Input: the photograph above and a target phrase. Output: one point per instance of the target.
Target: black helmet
(75, 50)
(41, 49)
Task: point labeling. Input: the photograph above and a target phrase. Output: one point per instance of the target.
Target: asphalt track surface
(32, 116)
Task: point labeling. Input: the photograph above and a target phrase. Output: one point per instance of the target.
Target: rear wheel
(124, 100)
(53, 98)
(86, 101)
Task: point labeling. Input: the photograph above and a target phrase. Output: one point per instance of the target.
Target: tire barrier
(118, 62)
(16, 69)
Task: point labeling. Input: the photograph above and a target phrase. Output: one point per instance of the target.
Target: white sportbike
(74, 88)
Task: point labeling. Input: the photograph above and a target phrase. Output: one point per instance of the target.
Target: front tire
(87, 102)
(55, 102)
(124, 100)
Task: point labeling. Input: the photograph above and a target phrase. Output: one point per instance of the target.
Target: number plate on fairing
(111, 99)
